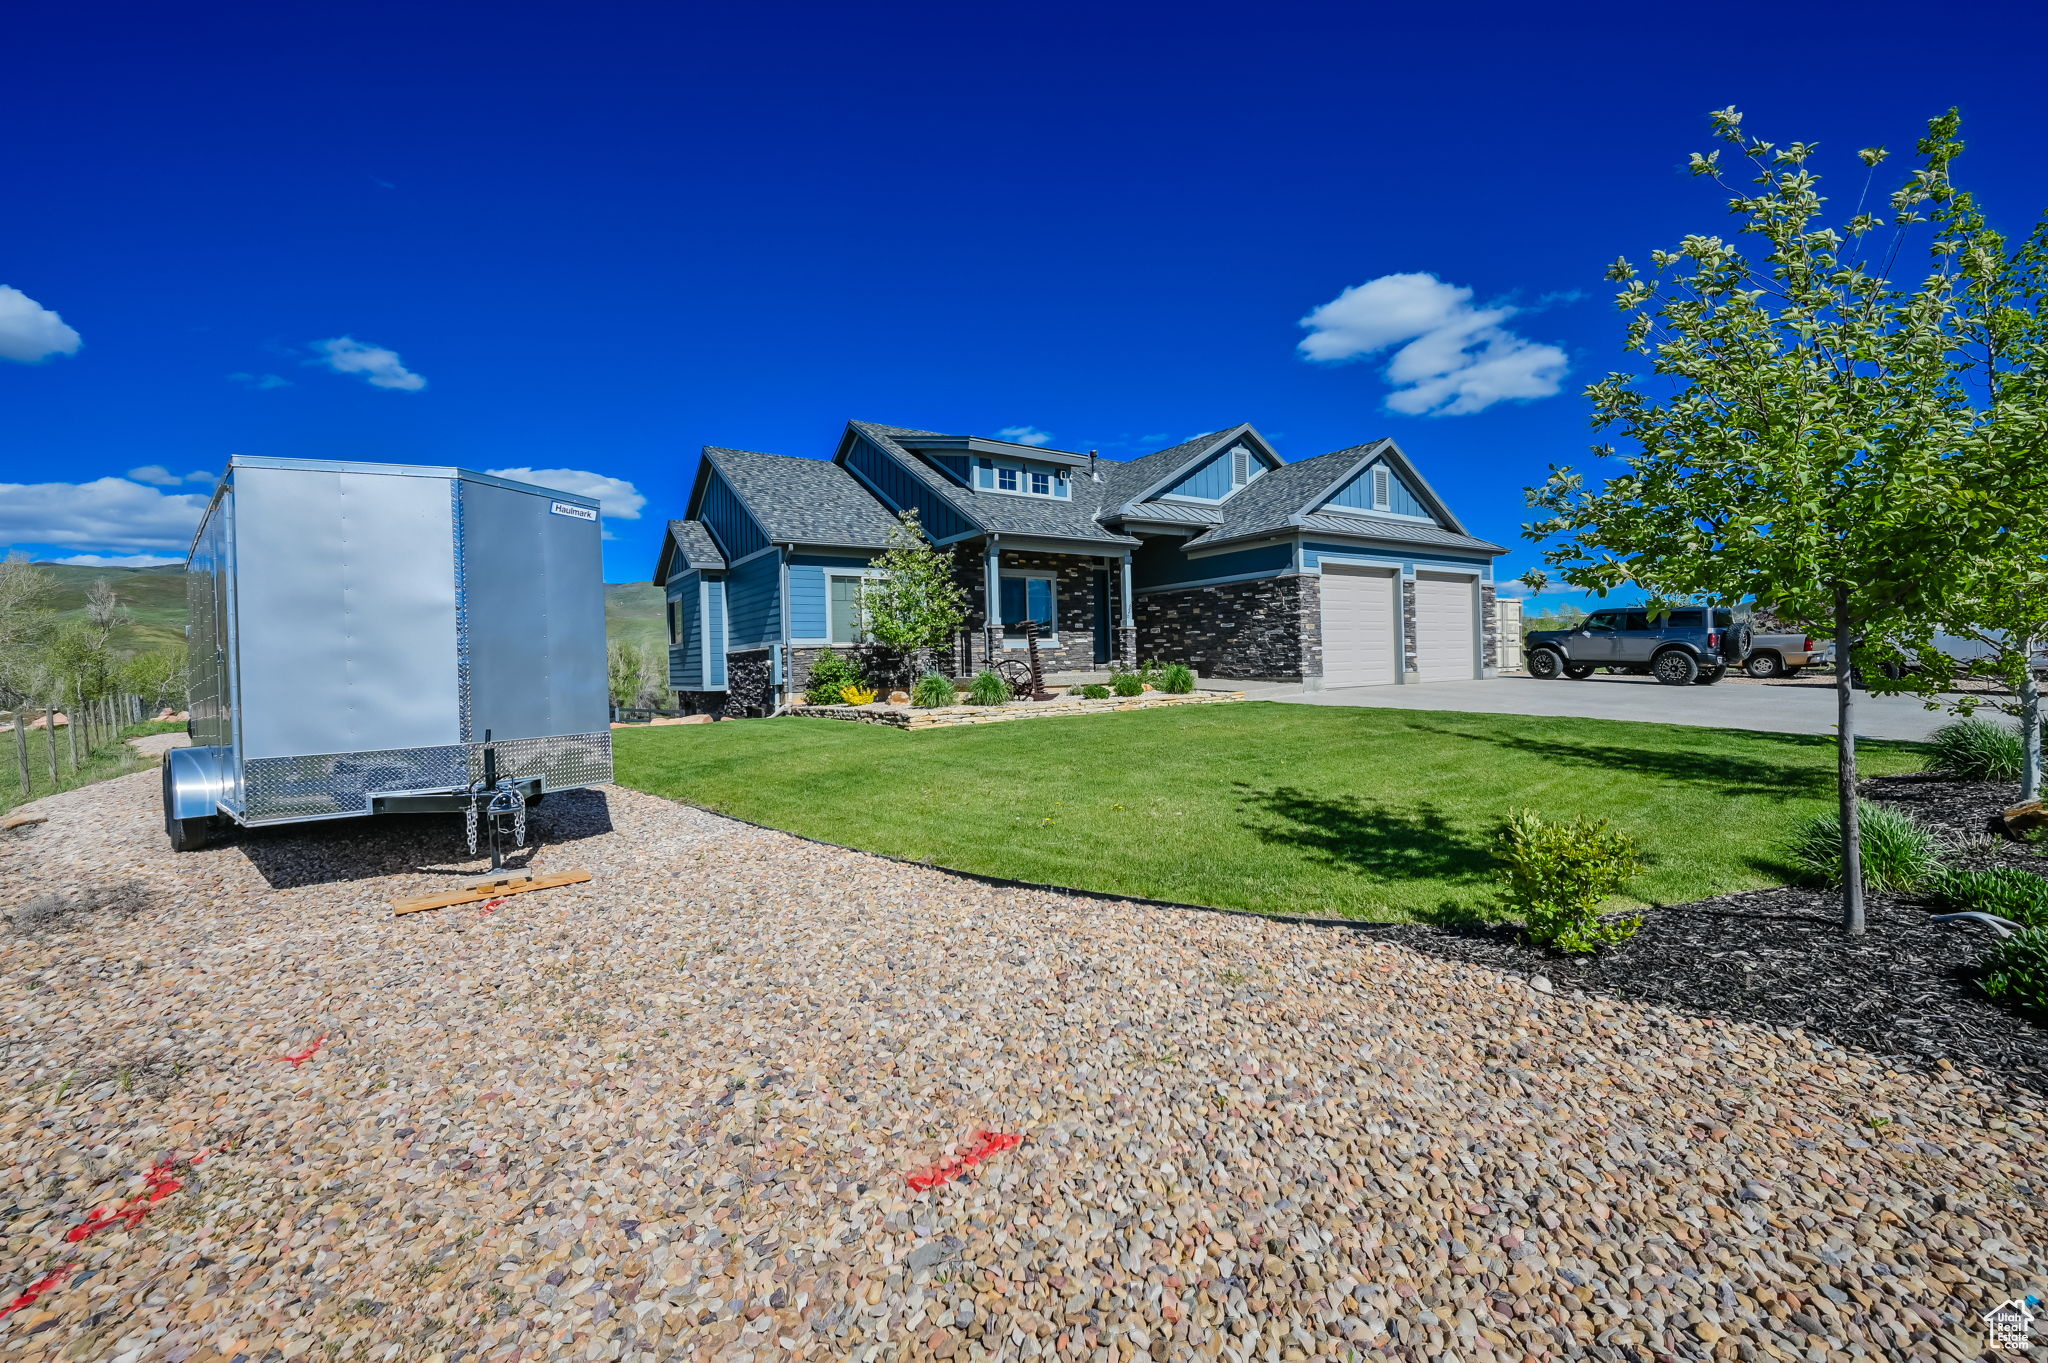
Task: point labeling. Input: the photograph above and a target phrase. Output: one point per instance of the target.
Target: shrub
(1897, 852)
(857, 695)
(2005, 891)
(831, 674)
(1178, 679)
(2016, 972)
(1094, 691)
(1977, 750)
(932, 691)
(1127, 684)
(1555, 876)
(988, 689)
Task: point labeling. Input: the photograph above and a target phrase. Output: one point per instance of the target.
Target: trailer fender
(195, 782)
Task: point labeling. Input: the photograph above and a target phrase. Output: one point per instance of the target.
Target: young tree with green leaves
(27, 601)
(1803, 438)
(157, 678)
(915, 607)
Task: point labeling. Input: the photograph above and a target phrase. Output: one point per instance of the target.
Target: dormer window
(1022, 478)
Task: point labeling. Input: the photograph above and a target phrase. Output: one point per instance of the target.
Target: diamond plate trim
(562, 762)
(343, 783)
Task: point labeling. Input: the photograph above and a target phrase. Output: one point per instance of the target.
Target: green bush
(1898, 853)
(1178, 679)
(1977, 750)
(1094, 691)
(932, 691)
(831, 674)
(2006, 891)
(1127, 684)
(988, 689)
(2016, 972)
(1556, 875)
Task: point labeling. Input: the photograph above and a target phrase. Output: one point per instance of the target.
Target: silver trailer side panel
(533, 593)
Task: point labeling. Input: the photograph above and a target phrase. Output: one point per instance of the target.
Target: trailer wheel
(186, 835)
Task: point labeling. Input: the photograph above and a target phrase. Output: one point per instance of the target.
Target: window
(1030, 597)
(1041, 484)
(843, 624)
(1636, 620)
(1606, 622)
(1021, 477)
(1006, 479)
(1382, 489)
(675, 620)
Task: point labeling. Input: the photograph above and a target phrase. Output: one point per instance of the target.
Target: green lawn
(1382, 814)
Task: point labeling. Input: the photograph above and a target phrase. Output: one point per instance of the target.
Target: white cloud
(347, 355)
(106, 513)
(616, 498)
(1454, 359)
(29, 331)
(163, 477)
(260, 382)
(115, 560)
(1025, 435)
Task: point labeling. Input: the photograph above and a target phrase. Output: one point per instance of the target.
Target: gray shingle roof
(1283, 500)
(1123, 481)
(694, 546)
(804, 501)
(1001, 514)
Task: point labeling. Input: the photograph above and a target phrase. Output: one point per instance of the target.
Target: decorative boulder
(899, 698)
(2026, 818)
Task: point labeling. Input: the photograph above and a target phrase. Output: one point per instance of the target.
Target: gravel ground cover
(672, 1114)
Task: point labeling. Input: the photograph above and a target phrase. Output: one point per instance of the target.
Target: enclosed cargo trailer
(381, 638)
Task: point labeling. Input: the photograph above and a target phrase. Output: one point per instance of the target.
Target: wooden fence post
(74, 718)
(50, 732)
(21, 751)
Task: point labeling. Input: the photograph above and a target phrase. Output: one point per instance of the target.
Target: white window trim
(1063, 487)
(1051, 640)
(1382, 487)
(826, 640)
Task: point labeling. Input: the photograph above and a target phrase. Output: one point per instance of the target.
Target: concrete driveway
(1779, 707)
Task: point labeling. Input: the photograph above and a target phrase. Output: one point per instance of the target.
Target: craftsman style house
(1341, 570)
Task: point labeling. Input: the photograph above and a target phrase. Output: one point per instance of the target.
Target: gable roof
(1073, 518)
(1127, 481)
(803, 501)
(688, 548)
(1289, 498)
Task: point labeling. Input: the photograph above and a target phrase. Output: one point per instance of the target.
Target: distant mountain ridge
(155, 597)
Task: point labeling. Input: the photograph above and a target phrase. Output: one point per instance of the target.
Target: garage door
(1445, 647)
(1358, 626)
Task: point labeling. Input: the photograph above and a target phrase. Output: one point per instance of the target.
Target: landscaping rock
(669, 1114)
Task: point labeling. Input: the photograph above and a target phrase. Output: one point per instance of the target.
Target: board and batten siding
(902, 490)
(1356, 495)
(736, 531)
(686, 651)
(753, 602)
(810, 596)
(1217, 476)
(714, 634)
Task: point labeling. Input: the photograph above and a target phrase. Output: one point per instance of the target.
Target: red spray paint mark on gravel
(157, 1184)
(491, 905)
(36, 1289)
(986, 1143)
(303, 1056)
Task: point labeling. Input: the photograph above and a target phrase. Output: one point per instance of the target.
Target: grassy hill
(155, 597)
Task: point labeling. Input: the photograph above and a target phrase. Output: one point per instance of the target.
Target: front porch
(1082, 602)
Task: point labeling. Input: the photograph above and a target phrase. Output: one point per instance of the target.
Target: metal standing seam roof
(1001, 513)
(804, 501)
(1400, 532)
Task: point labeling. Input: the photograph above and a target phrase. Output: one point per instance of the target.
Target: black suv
(1688, 646)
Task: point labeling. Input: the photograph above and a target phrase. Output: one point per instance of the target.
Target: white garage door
(1445, 644)
(1358, 626)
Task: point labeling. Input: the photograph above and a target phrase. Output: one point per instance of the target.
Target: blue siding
(1357, 494)
(753, 602)
(1211, 478)
(902, 490)
(1409, 559)
(807, 592)
(686, 655)
(1160, 565)
(714, 634)
(955, 464)
(737, 533)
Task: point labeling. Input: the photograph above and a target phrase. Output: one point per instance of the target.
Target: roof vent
(1094, 474)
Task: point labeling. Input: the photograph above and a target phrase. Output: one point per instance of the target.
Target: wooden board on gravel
(487, 889)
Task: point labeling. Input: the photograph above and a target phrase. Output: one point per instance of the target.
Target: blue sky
(595, 238)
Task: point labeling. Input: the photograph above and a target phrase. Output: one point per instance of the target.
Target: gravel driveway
(669, 1114)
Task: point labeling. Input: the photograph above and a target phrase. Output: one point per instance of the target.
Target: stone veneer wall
(1268, 628)
(749, 684)
(1076, 601)
(1408, 658)
(1489, 629)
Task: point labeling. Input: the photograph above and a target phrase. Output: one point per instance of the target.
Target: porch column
(992, 584)
(1127, 620)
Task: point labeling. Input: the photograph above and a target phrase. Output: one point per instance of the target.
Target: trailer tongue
(383, 638)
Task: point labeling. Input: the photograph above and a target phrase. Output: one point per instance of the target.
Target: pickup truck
(1782, 655)
(1686, 646)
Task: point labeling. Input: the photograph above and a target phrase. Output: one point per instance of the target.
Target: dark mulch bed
(1905, 989)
